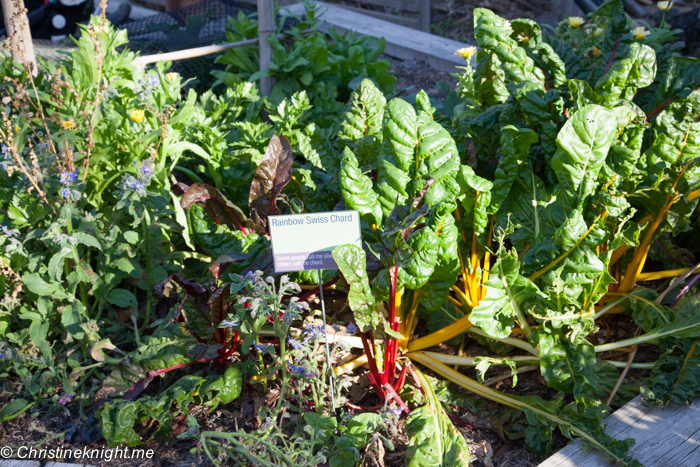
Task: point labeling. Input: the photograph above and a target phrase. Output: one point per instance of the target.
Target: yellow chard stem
(487, 260)
(652, 276)
(463, 267)
(619, 252)
(462, 296)
(473, 278)
(640, 254)
(351, 365)
(444, 334)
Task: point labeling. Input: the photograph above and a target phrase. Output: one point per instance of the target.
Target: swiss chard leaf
(352, 264)
(272, 175)
(433, 440)
(583, 145)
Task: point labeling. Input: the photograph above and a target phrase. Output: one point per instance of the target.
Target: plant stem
(262, 364)
(145, 223)
(83, 290)
(630, 358)
(507, 340)
(256, 439)
(608, 307)
(285, 376)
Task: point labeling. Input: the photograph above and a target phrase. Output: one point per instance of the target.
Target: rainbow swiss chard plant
(579, 148)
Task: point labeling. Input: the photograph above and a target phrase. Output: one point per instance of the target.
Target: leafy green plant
(556, 235)
(327, 68)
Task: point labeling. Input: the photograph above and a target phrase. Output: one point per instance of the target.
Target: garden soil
(482, 429)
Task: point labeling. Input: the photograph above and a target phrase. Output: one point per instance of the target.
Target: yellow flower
(68, 124)
(172, 76)
(137, 115)
(16, 129)
(597, 32)
(576, 21)
(466, 52)
(664, 6)
(640, 33)
(595, 51)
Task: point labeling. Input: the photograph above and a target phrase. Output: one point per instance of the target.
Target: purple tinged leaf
(216, 206)
(191, 288)
(220, 266)
(272, 175)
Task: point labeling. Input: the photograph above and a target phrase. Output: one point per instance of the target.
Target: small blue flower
(5, 151)
(352, 329)
(153, 80)
(65, 192)
(230, 324)
(313, 331)
(260, 347)
(136, 185)
(294, 343)
(299, 370)
(146, 169)
(68, 177)
(7, 231)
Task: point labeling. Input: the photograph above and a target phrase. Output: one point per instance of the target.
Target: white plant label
(306, 241)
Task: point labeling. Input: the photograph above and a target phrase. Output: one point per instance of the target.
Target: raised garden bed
(533, 217)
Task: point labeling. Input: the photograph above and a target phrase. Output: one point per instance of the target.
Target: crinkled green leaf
(583, 144)
(358, 190)
(492, 33)
(508, 295)
(515, 147)
(352, 263)
(525, 206)
(567, 366)
(361, 128)
(633, 68)
(432, 439)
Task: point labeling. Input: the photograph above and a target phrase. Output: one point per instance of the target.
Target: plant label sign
(306, 241)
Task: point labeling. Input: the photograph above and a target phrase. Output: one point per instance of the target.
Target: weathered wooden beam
(401, 42)
(665, 436)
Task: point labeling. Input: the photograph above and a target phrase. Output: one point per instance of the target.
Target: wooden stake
(266, 26)
(202, 51)
(424, 15)
(17, 27)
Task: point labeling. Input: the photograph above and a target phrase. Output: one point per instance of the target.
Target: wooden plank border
(401, 42)
(665, 436)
